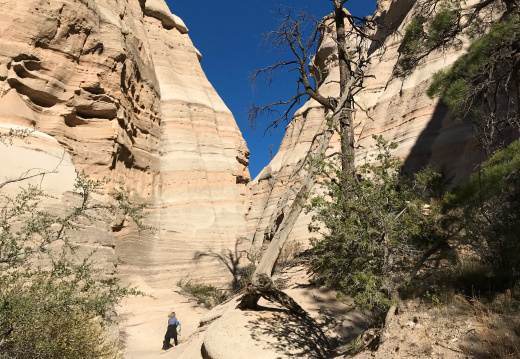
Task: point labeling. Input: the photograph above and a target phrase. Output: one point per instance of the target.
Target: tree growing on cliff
(483, 85)
(299, 33)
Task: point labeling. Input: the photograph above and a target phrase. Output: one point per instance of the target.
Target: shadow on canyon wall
(445, 142)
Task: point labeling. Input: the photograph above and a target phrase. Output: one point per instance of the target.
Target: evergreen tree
(372, 241)
(484, 84)
(487, 209)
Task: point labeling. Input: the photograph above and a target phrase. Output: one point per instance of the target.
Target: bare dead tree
(299, 33)
(292, 33)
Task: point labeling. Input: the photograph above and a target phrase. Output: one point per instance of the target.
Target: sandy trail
(257, 334)
(145, 320)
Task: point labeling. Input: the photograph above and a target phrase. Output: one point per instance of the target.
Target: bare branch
(27, 174)
(255, 112)
(268, 72)
(293, 34)
(351, 64)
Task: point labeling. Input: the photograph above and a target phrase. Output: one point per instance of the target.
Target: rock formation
(115, 87)
(397, 108)
(229, 333)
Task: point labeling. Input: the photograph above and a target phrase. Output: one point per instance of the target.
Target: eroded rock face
(117, 86)
(397, 108)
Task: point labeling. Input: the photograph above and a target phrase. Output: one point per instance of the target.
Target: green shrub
(485, 212)
(54, 304)
(46, 330)
(423, 35)
(459, 86)
(207, 295)
(375, 228)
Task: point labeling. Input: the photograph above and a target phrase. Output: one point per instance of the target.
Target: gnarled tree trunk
(261, 284)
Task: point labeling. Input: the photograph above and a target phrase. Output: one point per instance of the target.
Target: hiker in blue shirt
(171, 332)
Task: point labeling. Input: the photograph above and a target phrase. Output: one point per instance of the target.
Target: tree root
(266, 290)
(389, 316)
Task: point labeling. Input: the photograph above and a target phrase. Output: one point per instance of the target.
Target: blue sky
(228, 33)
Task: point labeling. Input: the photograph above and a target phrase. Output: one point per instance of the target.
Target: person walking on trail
(171, 332)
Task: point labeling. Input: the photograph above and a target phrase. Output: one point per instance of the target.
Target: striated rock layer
(397, 108)
(117, 87)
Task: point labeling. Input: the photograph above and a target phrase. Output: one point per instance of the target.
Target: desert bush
(54, 303)
(484, 213)
(206, 294)
(210, 296)
(241, 263)
(48, 330)
(288, 254)
(245, 273)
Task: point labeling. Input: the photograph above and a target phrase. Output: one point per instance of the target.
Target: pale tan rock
(228, 333)
(13, 106)
(398, 109)
(119, 88)
(146, 321)
(88, 75)
(47, 165)
(36, 154)
(159, 9)
(192, 348)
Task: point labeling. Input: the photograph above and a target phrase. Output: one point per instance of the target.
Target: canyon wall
(115, 88)
(397, 108)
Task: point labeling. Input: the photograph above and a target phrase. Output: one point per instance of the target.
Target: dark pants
(171, 332)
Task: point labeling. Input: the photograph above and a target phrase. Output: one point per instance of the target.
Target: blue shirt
(173, 321)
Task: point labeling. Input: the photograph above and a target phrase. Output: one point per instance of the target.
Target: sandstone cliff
(397, 108)
(115, 87)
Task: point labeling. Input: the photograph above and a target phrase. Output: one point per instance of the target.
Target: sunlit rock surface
(226, 332)
(396, 108)
(116, 87)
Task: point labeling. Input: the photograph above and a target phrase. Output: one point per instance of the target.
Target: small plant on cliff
(373, 239)
(55, 303)
(6, 138)
(484, 84)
